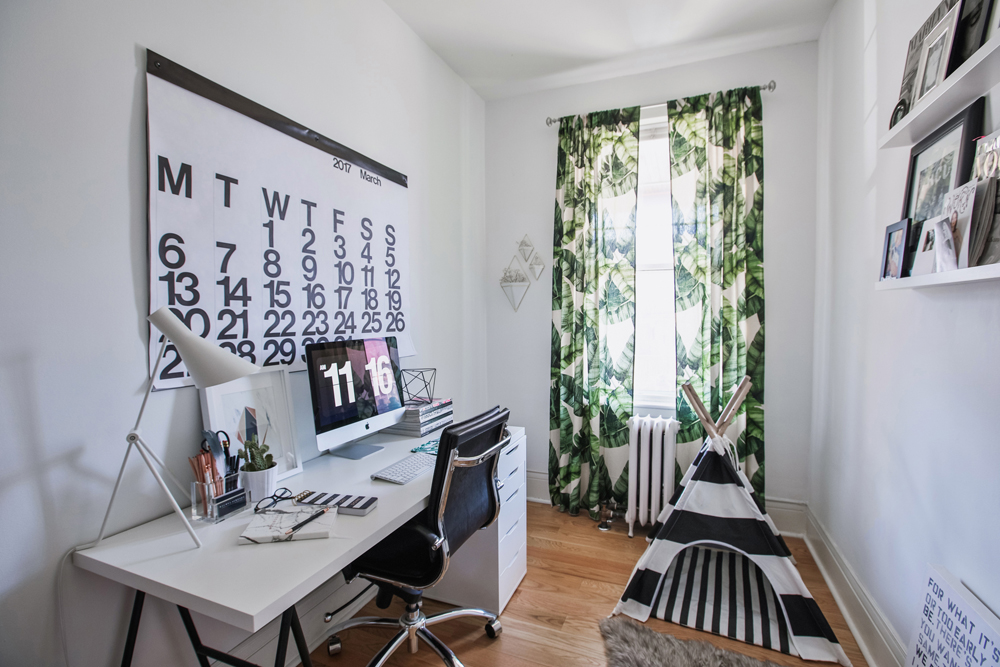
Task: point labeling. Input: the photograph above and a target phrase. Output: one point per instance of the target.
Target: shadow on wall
(38, 488)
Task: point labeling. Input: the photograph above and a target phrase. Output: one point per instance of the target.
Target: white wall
(73, 259)
(904, 459)
(520, 198)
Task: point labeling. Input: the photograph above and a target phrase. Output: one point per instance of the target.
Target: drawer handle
(512, 450)
(511, 496)
(512, 528)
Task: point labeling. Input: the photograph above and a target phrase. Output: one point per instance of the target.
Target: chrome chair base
(413, 626)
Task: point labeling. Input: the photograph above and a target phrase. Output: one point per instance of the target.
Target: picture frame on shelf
(258, 404)
(907, 89)
(894, 250)
(939, 164)
(992, 21)
(923, 258)
(973, 23)
(936, 54)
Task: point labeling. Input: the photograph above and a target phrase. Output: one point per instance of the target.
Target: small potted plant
(259, 472)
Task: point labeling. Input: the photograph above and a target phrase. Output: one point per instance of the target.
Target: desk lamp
(208, 365)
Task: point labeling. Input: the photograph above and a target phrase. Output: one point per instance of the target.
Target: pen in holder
(214, 501)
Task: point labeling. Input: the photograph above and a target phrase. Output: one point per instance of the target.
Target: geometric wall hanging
(514, 283)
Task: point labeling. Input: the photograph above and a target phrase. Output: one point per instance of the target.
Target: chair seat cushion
(405, 556)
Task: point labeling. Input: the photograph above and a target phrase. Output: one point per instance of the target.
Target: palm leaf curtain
(593, 309)
(717, 185)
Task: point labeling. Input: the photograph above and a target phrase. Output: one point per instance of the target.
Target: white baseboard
(877, 639)
(538, 487)
(788, 515)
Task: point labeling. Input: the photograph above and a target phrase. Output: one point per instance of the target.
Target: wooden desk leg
(133, 628)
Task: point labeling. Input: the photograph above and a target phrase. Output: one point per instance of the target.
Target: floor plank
(576, 574)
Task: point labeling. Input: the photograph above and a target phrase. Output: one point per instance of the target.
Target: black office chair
(464, 498)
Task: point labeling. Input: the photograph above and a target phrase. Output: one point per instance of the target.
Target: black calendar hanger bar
(179, 75)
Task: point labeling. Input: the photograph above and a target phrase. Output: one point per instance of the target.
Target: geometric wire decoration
(525, 247)
(418, 385)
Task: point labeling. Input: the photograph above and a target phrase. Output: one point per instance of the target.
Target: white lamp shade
(207, 363)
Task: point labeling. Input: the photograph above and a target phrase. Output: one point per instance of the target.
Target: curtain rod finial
(550, 121)
(769, 86)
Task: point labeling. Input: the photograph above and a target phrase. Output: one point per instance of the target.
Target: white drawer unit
(488, 568)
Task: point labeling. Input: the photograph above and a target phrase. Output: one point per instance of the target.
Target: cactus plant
(256, 456)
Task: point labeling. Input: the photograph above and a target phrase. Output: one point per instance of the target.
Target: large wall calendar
(265, 236)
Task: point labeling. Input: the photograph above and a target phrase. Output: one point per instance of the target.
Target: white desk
(159, 559)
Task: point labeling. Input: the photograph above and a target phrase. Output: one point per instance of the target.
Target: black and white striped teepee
(717, 563)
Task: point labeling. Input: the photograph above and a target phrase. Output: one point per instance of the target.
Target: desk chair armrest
(434, 541)
(472, 461)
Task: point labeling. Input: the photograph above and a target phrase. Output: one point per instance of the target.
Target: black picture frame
(902, 270)
(970, 119)
(971, 31)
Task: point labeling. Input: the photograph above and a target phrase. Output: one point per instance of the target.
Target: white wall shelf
(970, 275)
(972, 80)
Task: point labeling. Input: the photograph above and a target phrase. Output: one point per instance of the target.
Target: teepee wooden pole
(734, 405)
(699, 409)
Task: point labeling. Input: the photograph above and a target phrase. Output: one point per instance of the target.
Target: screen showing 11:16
(356, 380)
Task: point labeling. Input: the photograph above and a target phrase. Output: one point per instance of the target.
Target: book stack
(422, 418)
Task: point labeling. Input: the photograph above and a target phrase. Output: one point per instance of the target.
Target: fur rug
(630, 644)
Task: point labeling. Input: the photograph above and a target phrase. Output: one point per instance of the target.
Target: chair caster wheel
(493, 629)
(333, 645)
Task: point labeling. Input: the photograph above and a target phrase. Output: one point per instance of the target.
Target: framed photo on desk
(258, 404)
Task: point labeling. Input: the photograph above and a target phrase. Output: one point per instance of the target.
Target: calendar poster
(265, 236)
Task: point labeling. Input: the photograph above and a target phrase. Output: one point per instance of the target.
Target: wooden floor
(575, 576)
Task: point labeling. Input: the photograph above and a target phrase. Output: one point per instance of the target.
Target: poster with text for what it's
(955, 629)
(265, 236)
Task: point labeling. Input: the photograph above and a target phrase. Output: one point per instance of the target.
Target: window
(654, 379)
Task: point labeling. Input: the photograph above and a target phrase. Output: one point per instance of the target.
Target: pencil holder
(214, 501)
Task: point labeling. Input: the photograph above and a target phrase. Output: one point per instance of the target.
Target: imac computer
(355, 388)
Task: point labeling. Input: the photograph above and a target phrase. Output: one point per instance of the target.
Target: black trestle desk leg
(133, 628)
(193, 636)
(286, 621)
(300, 639)
(204, 652)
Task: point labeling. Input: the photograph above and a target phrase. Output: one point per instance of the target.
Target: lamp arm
(170, 497)
(141, 444)
(149, 385)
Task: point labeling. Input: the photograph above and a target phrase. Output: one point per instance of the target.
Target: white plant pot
(259, 484)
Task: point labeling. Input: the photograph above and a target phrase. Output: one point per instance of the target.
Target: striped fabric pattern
(717, 563)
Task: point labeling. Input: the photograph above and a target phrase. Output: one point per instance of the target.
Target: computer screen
(355, 387)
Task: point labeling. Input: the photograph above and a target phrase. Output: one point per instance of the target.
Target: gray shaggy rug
(630, 644)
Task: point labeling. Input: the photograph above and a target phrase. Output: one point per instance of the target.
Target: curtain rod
(768, 87)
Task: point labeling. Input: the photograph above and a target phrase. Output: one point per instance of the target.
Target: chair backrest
(466, 491)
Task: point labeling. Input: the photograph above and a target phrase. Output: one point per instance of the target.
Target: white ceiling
(509, 47)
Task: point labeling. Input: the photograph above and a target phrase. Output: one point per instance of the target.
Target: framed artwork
(908, 88)
(259, 404)
(939, 164)
(936, 54)
(972, 30)
(894, 250)
(992, 21)
(923, 260)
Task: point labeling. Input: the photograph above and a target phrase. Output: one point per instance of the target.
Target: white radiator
(652, 450)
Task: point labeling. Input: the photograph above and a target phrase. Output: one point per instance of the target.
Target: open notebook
(271, 526)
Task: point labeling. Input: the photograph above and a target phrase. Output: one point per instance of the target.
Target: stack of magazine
(423, 417)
